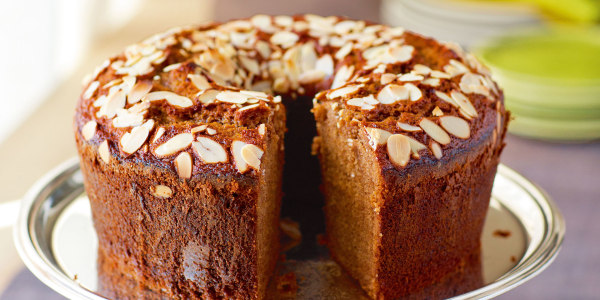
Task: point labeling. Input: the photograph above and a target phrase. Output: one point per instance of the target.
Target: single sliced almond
(456, 126)
(464, 103)
(398, 147)
(262, 129)
(341, 77)
(436, 149)
(91, 89)
(285, 39)
(415, 146)
(232, 97)
(159, 132)
(171, 98)
(132, 141)
(408, 127)
(104, 152)
(209, 151)
(115, 101)
(311, 76)
(199, 81)
(437, 112)
(414, 92)
(345, 50)
(251, 154)
(183, 163)
(434, 131)
(236, 151)
(446, 98)
(175, 144)
(250, 64)
(211, 131)
(89, 130)
(377, 136)
(387, 78)
(198, 129)
(410, 77)
(162, 191)
(345, 91)
(325, 65)
(393, 93)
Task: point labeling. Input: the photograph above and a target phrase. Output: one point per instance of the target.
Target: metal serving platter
(55, 238)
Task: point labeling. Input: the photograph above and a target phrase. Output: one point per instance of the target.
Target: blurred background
(544, 53)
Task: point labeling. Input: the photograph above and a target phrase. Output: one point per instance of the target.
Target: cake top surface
(200, 97)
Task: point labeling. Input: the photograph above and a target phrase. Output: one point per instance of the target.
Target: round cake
(182, 139)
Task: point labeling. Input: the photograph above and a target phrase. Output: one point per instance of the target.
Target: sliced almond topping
(410, 77)
(437, 112)
(392, 93)
(414, 91)
(209, 151)
(236, 151)
(435, 131)
(440, 74)
(431, 82)
(104, 152)
(436, 149)
(175, 144)
(171, 67)
(311, 76)
(183, 163)
(377, 136)
(341, 77)
(89, 130)
(387, 78)
(285, 39)
(139, 90)
(473, 83)
(91, 89)
(421, 69)
(408, 127)
(262, 129)
(211, 131)
(171, 98)
(345, 50)
(232, 97)
(159, 132)
(263, 48)
(250, 64)
(115, 101)
(366, 103)
(401, 54)
(251, 154)
(456, 126)
(345, 91)
(446, 98)
(126, 119)
(325, 64)
(464, 103)
(207, 96)
(132, 141)
(200, 81)
(308, 57)
(415, 146)
(162, 191)
(398, 147)
(198, 129)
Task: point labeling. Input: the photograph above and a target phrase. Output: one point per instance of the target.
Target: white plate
(56, 240)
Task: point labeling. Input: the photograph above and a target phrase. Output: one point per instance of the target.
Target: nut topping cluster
(245, 65)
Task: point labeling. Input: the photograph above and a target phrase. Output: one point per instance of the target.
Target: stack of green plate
(551, 81)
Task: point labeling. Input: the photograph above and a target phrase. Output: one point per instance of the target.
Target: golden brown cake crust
(181, 140)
